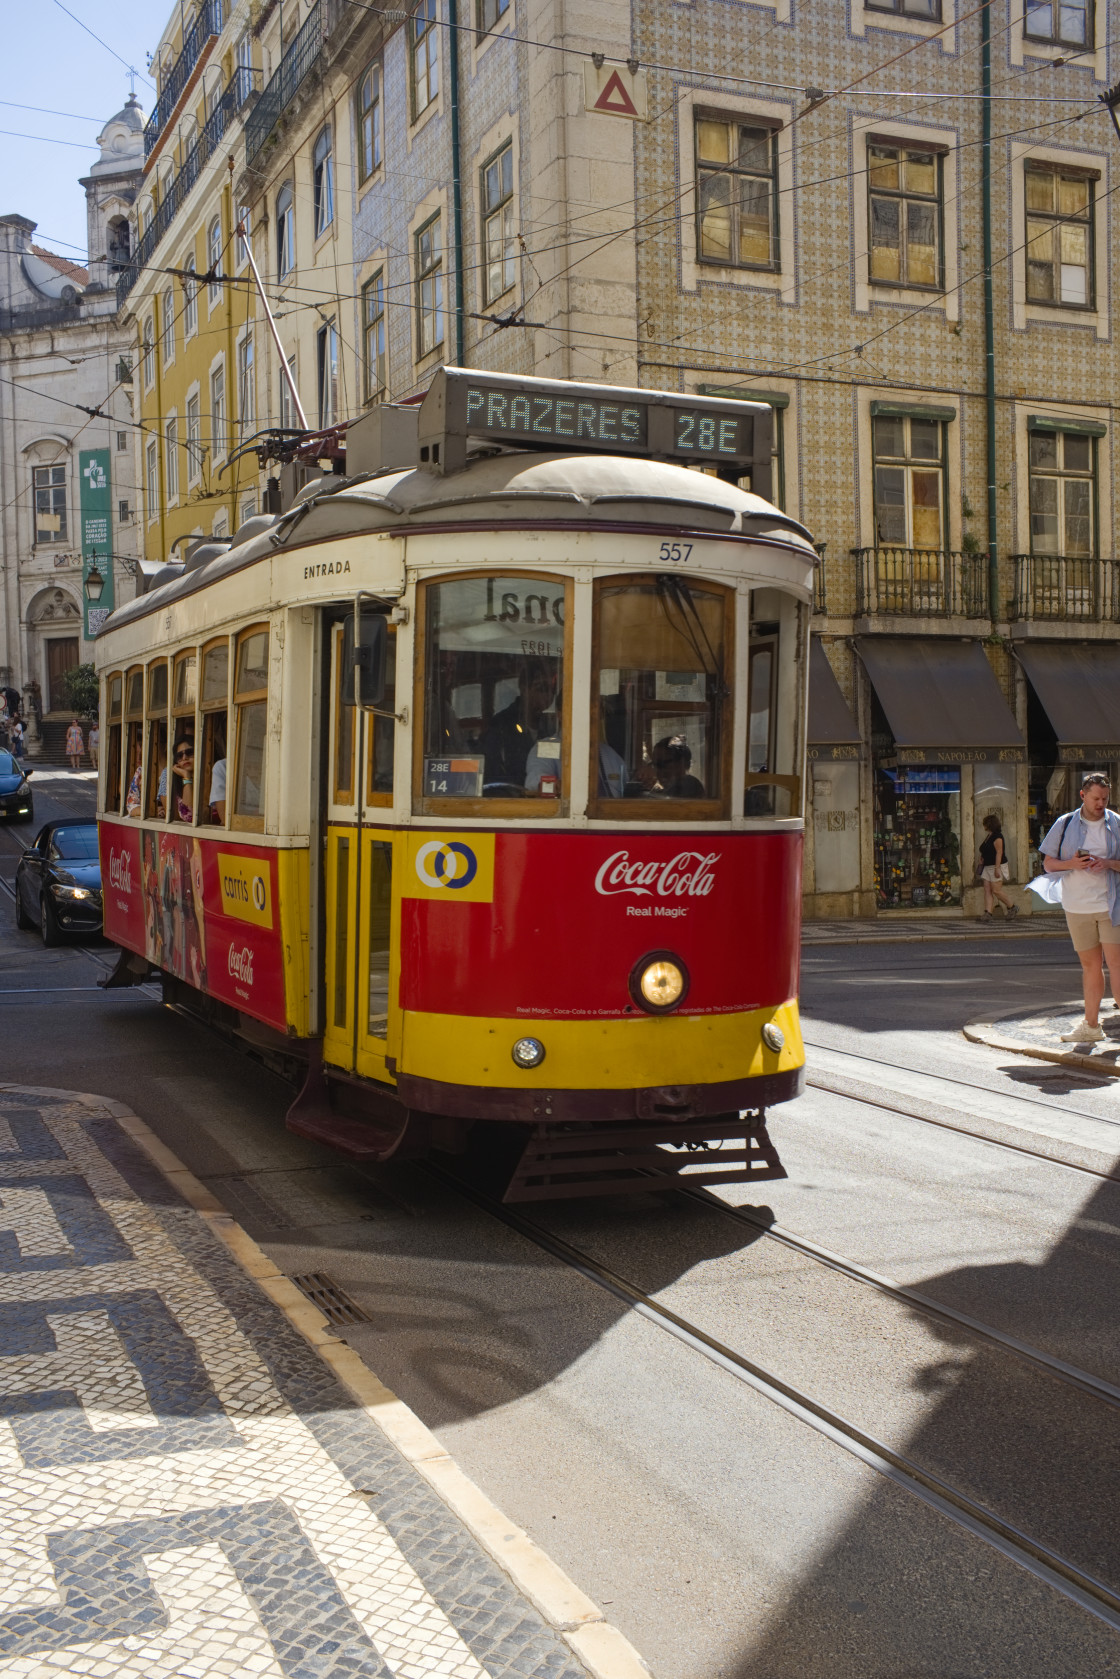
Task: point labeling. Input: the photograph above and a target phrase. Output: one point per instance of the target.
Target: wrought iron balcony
(207, 24)
(294, 69)
(920, 583)
(202, 148)
(1063, 588)
(820, 588)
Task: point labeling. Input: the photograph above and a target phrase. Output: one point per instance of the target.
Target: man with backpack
(1084, 848)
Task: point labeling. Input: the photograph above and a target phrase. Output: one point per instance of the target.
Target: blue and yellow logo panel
(456, 868)
(246, 889)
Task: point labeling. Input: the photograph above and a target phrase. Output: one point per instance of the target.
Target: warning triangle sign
(615, 99)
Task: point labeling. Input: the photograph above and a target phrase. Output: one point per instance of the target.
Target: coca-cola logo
(687, 875)
(241, 964)
(120, 871)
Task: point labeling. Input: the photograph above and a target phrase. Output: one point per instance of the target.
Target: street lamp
(95, 582)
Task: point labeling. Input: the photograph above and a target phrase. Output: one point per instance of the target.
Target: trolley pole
(989, 309)
(285, 370)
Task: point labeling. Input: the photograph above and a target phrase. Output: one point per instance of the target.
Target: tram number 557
(675, 551)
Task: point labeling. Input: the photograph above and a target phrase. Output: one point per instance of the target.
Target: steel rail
(1029, 1554)
(1071, 1374)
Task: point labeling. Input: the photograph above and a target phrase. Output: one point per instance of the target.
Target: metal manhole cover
(334, 1303)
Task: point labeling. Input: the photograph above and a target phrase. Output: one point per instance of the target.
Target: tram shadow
(904, 1591)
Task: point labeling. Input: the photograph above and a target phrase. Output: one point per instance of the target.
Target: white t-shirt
(1084, 893)
(217, 782)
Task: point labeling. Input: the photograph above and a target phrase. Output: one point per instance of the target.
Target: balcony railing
(202, 148)
(1062, 588)
(820, 582)
(207, 23)
(921, 583)
(294, 68)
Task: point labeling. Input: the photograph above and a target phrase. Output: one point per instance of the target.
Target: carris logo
(241, 964)
(688, 874)
(120, 871)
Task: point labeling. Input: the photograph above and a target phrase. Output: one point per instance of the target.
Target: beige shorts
(1089, 931)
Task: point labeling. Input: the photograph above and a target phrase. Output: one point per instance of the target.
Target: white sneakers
(1083, 1033)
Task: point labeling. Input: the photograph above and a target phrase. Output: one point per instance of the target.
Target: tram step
(357, 1139)
(619, 1160)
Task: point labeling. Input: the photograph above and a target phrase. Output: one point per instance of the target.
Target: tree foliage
(81, 689)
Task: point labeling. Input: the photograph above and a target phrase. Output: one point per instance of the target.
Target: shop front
(835, 844)
(1073, 726)
(945, 751)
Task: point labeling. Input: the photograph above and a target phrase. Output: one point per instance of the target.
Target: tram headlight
(527, 1053)
(773, 1036)
(659, 982)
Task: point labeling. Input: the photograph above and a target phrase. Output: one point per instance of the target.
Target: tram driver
(524, 729)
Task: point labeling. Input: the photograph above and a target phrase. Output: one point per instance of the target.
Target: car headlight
(659, 982)
(71, 891)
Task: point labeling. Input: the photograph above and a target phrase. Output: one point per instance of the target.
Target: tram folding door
(361, 921)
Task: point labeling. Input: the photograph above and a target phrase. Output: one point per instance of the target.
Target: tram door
(361, 926)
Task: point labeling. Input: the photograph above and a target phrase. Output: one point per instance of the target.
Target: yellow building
(195, 351)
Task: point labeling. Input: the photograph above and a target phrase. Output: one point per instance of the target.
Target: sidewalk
(919, 929)
(198, 1478)
(1039, 1036)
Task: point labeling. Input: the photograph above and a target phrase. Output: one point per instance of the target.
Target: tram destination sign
(463, 408)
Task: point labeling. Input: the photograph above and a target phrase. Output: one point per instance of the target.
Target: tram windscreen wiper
(676, 590)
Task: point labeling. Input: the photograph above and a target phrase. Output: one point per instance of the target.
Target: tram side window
(250, 699)
(343, 724)
(383, 733)
(181, 797)
(494, 674)
(114, 709)
(213, 701)
(155, 801)
(775, 681)
(661, 695)
(134, 731)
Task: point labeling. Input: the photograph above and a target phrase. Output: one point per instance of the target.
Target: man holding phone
(1084, 848)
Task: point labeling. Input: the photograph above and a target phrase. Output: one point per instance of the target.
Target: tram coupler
(131, 969)
(561, 1162)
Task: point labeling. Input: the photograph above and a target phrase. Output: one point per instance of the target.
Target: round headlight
(773, 1036)
(659, 982)
(528, 1052)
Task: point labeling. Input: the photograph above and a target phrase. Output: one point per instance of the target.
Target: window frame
(898, 8)
(322, 181)
(703, 169)
(240, 703)
(148, 352)
(367, 112)
(423, 276)
(167, 327)
(285, 232)
(1056, 220)
(1064, 475)
(56, 489)
(423, 42)
(214, 247)
(381, 726)
(190, 302)
(205, 759)
(901, 196)
(133, 722)
(155, 719)
(529, 809)
(219, 417)
(171, 457)
(501, 10)
(180, 712)
(489, 214)
(194, 436)
(1056, 38)
(907, 463)
(375, 388)
(643, 811)
(246, 382)
(327, 374)
(113, 799)
(151, 479)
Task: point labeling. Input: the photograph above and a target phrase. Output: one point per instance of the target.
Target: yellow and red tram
(476, 782)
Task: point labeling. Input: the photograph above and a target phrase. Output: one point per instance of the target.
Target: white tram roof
(527, 487)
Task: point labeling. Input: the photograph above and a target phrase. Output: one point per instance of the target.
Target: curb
(603, 1650)
(987, 1032)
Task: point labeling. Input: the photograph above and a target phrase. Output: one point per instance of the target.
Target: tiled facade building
(807, 201)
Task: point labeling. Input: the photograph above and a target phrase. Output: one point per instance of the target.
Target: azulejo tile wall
(184, 1487)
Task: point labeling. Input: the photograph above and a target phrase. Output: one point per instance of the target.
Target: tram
(473, 783)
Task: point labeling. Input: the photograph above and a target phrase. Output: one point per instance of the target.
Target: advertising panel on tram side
(206, 911)
(551, 924)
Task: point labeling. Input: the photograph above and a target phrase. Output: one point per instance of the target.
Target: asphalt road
(723, 1535)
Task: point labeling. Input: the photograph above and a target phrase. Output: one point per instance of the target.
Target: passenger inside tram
(523, 730)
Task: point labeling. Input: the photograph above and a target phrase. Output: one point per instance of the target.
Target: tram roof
(530, 488)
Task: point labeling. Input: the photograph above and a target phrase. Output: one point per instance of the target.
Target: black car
(58, 881)
(15, 790)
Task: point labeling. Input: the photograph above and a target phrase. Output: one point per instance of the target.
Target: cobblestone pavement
(1039, 1035)
(185, 1489)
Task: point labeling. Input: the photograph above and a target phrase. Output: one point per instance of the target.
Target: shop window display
(917, 837)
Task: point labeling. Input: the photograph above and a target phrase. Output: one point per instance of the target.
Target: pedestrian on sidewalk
(1084, 848)
(993, 860)
(93, 741)
(17, 739)
(75, 745)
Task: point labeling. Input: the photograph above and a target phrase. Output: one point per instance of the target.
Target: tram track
(1037, 1558)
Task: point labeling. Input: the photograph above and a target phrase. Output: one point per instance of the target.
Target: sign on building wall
(614, 90)
(97, 532)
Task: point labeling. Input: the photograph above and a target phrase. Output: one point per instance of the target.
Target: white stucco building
(65, 389)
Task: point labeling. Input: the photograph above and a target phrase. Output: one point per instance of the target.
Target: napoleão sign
(564, 416)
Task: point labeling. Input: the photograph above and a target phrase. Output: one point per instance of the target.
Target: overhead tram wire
(131, 68)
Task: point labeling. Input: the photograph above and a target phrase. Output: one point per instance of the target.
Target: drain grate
(334, 1303)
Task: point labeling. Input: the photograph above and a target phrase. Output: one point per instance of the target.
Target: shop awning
(1078, 684)
(942, 701)
(832, 728)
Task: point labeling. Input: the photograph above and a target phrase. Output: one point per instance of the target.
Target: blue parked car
(15, 790)
(58, 881)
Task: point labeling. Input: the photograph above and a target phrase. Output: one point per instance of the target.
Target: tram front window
(493, 714)
(662, 695)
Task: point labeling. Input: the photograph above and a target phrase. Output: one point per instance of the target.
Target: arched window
(285, 233)
(119, 244)
(214, 256)
(323, 182)
(148, 352)
(190, 301)
(167, 312)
